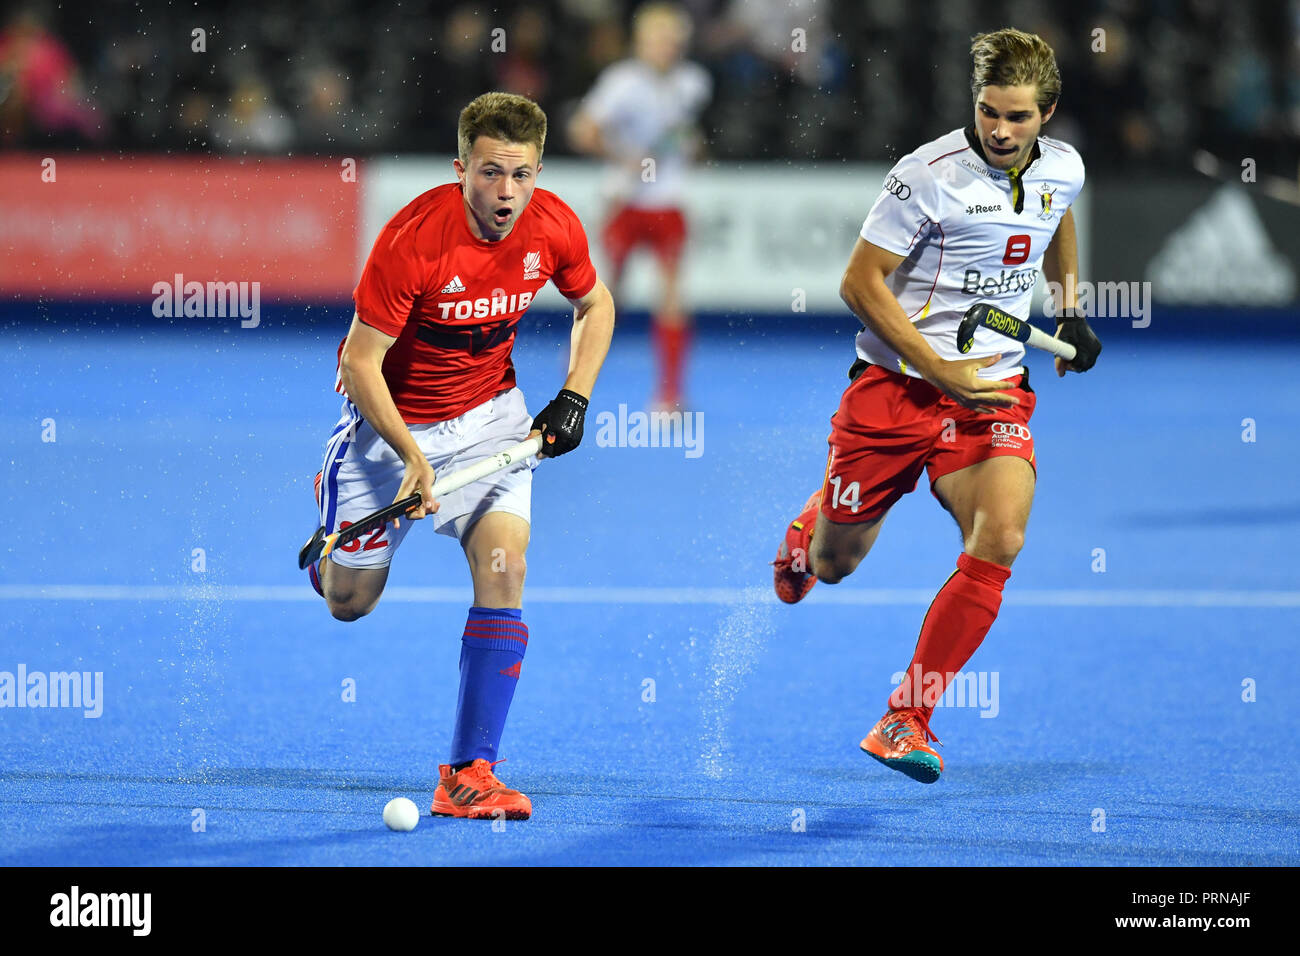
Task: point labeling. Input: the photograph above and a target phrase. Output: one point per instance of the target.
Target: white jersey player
(641, 117)
(969, 217)
(967, 231)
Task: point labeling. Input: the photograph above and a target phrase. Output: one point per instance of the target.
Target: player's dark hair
(1010, 57)
(504, 116)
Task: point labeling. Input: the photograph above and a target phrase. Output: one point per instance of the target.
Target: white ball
(401, 814)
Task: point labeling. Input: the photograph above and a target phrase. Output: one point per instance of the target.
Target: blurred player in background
(429, 386)
(969, 217)
(641, 116)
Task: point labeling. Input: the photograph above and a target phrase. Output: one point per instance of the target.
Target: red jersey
(453, 301)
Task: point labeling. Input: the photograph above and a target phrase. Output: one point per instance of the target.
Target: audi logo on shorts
(899, 188)
(1012, 429)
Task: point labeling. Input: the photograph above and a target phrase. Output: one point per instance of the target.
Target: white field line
(854, 597)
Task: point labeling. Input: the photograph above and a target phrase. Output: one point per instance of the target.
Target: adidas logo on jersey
(455, 285)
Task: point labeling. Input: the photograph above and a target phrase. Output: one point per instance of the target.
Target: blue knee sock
(491, 653)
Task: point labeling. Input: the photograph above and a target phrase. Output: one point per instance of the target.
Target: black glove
(1072, 327)
(561, 423)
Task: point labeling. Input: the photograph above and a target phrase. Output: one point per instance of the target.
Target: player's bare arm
(593, 327)
(361, 368)
(586, 136)
(1061, 262)
(1061, 265)
(863, 290)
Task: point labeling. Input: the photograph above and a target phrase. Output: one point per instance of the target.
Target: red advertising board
(93, 226)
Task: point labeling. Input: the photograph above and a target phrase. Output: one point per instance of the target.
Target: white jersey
(953, 217)
(644, 114)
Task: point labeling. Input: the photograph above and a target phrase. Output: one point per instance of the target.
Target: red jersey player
(971, 216)
(429, 386)
(641, 116)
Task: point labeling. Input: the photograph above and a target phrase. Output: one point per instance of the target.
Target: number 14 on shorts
(846, 498)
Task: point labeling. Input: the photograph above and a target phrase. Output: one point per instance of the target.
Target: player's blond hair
(647, 13)
(504, 116)
(1010, 57)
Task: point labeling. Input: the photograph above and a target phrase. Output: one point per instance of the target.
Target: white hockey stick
(994, 319)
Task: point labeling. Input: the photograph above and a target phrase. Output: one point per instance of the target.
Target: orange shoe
(901, 740)
(791, 583)
(475, 793)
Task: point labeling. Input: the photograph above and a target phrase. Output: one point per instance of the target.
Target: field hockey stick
(321, 544)
(994, 319)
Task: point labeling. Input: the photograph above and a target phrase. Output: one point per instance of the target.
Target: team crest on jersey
(532, 265)
(1045, 195)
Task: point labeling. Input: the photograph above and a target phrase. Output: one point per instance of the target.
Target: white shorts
(362, 474)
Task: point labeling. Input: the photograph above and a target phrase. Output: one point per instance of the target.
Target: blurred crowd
(1146, 82)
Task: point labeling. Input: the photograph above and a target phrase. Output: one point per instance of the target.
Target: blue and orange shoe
(901, 740)
(475, 793)
(313, 570)
(790, 574)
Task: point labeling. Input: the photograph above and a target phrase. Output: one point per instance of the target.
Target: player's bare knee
(513, 569)
(1009, 543)
(830, 574)
(1000, 545)
(832, 567)
(345, 611)
(502, 575)
(349, 607)
(348, 613)
(350, 604)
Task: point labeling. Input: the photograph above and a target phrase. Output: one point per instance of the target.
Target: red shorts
(890, 427)
(664, 230)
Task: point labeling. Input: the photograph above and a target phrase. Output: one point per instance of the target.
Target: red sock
(954, 627)
(671, 342)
